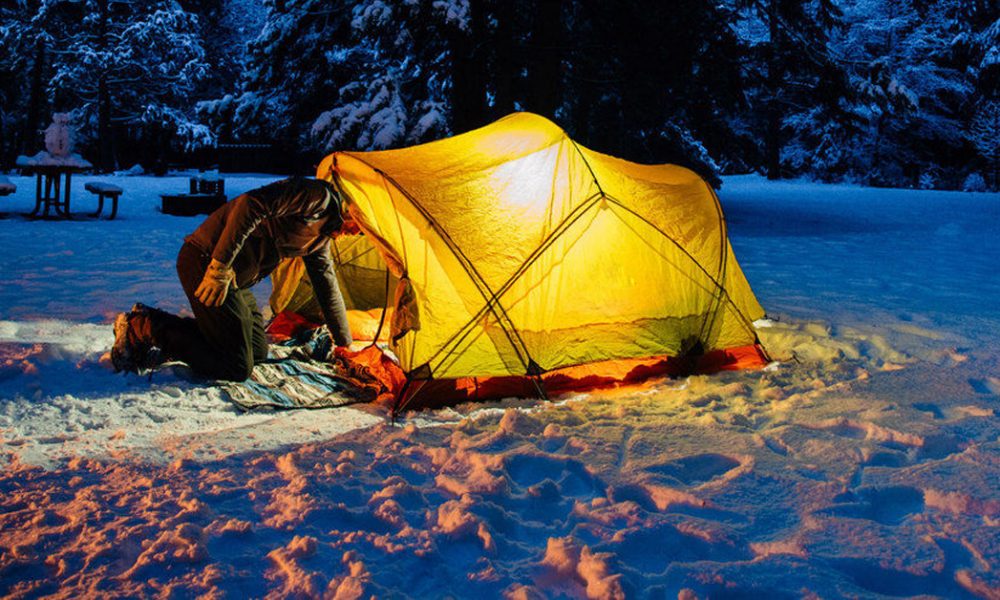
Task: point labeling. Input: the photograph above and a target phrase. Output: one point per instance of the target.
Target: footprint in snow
(890, 459)
(697, 469)
(885, 505)
(988, 386)
(571, 476)
(927, 407)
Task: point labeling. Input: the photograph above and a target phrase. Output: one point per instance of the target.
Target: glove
(214, 285)
(342, 353)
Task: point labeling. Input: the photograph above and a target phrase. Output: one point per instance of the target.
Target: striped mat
(298, 375)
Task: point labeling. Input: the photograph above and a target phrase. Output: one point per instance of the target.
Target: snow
(44, 159)
(863, 462)
(63, 282)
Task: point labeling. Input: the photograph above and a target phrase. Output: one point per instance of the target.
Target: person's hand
(214, 285)
(342, 352)
(343, 355)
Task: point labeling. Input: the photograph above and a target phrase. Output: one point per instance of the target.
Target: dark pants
(220, 342)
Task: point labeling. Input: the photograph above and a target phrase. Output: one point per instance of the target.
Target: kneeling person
(237, 246)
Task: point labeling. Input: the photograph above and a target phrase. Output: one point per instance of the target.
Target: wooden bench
(6, 187)
(104, 190)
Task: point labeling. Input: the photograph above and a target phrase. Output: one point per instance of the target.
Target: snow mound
(44, 159)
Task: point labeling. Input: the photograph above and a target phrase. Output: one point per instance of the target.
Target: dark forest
(879, 92)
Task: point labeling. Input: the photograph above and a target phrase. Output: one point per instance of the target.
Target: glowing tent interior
(524, 263)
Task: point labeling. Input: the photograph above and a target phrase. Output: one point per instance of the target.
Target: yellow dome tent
(519, 252)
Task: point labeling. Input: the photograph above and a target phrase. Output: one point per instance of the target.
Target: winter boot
(134, 350)
(155, 315)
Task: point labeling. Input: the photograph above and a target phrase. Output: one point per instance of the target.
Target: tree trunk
(105, 156)
(544, 77)
(505, 70)
(36, 101)
(468, 91)
(105, 153)
(772, 137)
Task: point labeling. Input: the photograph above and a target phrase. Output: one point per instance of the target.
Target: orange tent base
(396, 389)
(581, 378)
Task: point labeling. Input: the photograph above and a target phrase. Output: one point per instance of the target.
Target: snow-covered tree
(911, 90)
(796, 98)
(23, 67)
(984, 133)
(120, 64)
(402, 72)
(368, 74)
(225, 27)
(893, 92)
(982, 55)
(286, 80)
(652, 82)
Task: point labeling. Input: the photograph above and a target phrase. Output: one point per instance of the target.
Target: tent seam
(586, 163)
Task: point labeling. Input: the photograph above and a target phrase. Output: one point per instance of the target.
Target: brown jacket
(293, 217)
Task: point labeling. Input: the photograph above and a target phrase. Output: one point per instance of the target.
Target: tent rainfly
(523, 262)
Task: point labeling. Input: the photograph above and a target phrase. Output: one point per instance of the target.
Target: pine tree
(118, 64)
(910, 88)
(979, 48)
(651, 82)
(290, 75)
(225, 27)
(23, 73)
(893, 92)
(402, 73)
(797, 105)
(984, 134)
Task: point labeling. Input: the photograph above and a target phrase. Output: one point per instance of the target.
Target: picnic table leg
(100, 205)
(38, 194)
(69, 175)
(48, 194)
(56, 206)
(114, 207)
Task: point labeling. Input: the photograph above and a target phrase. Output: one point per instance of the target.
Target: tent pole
(540, 386)
(404, 398)
(385, 309)
(762, 349)
(397, 405)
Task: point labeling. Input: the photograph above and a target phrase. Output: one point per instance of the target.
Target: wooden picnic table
(53, 182)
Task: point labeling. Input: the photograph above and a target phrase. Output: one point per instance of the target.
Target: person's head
(338, 204)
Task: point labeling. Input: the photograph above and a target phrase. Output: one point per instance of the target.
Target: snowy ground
(865, 464)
